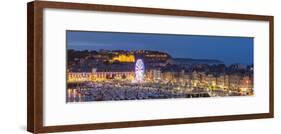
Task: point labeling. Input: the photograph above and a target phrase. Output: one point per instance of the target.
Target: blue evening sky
(230, 50)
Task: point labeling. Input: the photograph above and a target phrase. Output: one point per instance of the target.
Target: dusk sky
(229, 50)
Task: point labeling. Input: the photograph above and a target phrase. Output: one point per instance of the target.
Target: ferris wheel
(139, 70)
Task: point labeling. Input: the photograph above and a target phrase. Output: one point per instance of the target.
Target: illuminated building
(99, 76)
(234, 82)
(78, 77)
(246, 85)
(167, 76)
(153, 75)
(211, 80)
(124, 58)
(222, 81)
(156, 74)
(195, 79)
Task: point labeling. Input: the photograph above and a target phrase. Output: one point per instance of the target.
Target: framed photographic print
(102, 66)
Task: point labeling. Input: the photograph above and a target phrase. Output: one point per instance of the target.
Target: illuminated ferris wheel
(139, 70)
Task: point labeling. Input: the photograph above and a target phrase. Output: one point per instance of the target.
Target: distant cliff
(195, 61)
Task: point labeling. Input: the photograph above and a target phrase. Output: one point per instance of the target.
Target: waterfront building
(246, 85)
(234, 82)
(99, 76)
